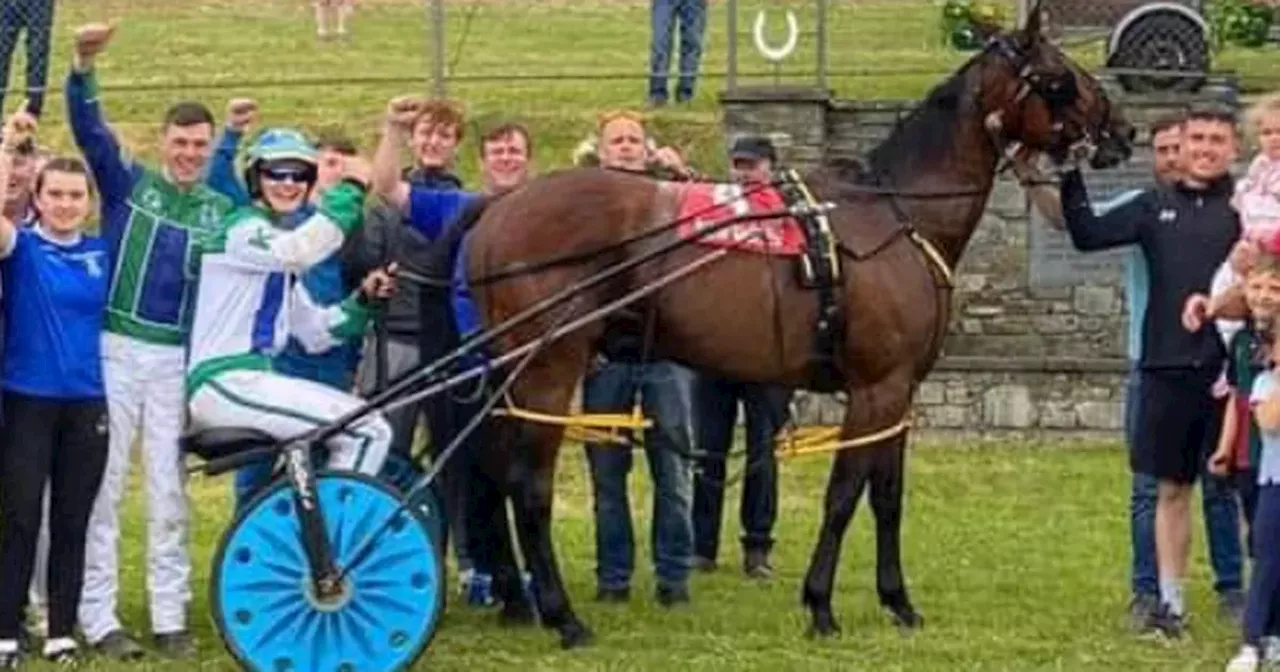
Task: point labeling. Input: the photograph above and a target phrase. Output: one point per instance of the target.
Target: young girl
(1264, 590)
(55, 415)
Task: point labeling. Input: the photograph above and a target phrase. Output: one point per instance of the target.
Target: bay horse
(746, 317)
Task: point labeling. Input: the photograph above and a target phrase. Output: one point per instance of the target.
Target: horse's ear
(987, 30)
(1031, 29)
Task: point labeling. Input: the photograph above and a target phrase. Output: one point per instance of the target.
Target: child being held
(1257, 200)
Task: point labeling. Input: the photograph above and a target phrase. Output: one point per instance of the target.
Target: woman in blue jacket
(55, 415)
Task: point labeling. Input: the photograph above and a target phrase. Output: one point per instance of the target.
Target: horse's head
(1037, 96)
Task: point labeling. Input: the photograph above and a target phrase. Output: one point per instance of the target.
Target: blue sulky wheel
(403, 472)
(263, 601)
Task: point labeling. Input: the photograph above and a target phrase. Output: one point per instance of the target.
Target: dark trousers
(691, 15)
(36, 16)
(1264, 587)
(444, 416)
(65, 444)
(716, 410)
(666, 396)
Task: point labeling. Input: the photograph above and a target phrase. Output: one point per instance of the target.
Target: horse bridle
(1059, 92)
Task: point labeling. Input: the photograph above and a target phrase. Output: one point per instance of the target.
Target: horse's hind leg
(492, 545)
(531, 498)
(844, 489)
(886, 504)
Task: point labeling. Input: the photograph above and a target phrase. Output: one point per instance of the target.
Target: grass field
(1016, 555)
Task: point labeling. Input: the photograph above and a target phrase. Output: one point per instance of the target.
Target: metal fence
(558, 62)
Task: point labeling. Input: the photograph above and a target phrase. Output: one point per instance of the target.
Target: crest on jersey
(92, 263)
(1168, 215)
(152, 200)
(209, 215)
(261, 239)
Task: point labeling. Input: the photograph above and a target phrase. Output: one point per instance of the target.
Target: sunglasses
(288, 173)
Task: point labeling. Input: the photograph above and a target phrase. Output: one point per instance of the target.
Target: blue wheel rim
(262, 598)
(402, 473)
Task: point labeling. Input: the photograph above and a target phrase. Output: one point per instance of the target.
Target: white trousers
(145, 387)
(285, 407)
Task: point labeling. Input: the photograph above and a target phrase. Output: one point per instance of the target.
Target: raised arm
(387, 183)
(1121, 225)
(241, 114)
(111, 168)
(19, 128)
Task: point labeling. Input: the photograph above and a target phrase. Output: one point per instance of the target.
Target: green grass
(1016, 555)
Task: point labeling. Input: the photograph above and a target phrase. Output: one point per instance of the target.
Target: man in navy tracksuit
(1184, 231)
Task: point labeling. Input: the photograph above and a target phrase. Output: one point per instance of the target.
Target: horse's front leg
(844, 489)
(886, 503)
(868, 410)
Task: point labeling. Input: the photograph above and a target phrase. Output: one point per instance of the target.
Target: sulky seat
(221, 442)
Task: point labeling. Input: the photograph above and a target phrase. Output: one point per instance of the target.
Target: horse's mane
(921, 134)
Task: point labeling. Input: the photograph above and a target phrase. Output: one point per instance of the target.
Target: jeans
(692, 17)
(666, 397)
(36, 16)
(765, 411)
(1221, 519)
(1264, 585)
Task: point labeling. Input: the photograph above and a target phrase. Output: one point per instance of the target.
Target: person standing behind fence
(36, 18)
(152, 221)
(331, 17)
(664, 15)
(1185, 231)
(53, 394)
(765, 412)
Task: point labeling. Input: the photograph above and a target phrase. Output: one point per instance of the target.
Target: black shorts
(1177, 425)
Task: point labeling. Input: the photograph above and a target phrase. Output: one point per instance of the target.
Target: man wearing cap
(752, 159)
(716, 407)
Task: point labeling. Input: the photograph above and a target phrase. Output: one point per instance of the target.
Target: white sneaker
(1271, 651)
(1245, 661)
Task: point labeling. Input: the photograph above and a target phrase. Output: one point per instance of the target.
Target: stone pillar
(795, 118)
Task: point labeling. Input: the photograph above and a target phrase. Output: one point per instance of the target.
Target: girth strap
(820, 270)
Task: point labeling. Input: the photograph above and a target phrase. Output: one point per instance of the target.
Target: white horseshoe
(776, 54)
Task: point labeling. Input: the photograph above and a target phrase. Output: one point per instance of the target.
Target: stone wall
(1038, 341)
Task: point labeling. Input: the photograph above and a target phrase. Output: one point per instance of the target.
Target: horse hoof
(517, 614)
(824, 627)
(907, 619)
(575, 635)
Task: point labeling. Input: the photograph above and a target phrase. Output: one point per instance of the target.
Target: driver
(251, 301)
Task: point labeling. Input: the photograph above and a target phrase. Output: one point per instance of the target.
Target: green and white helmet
(279, 145)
